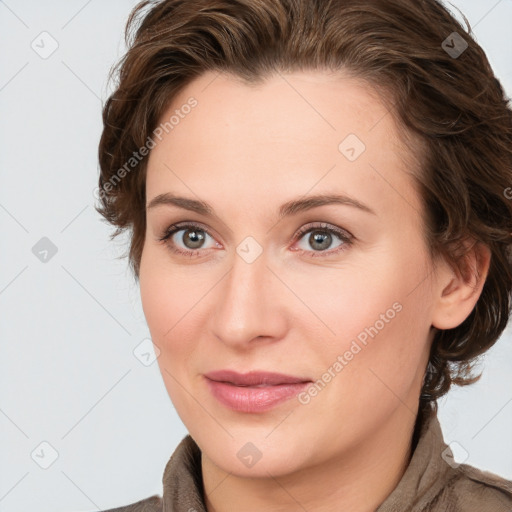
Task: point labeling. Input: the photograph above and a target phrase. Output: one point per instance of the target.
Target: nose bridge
(247, 305)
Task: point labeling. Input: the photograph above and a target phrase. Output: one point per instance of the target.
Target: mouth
(253, 392)
(254, 378)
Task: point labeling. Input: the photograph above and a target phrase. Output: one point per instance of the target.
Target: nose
(249, 305)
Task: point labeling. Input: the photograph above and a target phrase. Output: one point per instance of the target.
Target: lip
(255, 391)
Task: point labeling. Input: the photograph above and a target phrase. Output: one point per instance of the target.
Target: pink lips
(254, 391)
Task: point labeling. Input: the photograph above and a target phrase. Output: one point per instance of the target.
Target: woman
(316, 196)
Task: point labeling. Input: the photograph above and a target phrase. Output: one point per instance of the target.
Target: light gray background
(69, 326)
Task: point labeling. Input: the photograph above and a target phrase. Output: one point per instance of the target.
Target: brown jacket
(433, 482)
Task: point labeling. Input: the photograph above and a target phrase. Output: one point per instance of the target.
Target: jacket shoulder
(151, 504)
(475, 489)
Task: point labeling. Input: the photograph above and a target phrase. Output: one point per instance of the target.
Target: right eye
(193, 234)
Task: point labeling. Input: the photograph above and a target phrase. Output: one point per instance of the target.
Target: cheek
(172, 301)
(165, 309)
(365, 299)
(378, 317)
(166, 294)
(157, 303)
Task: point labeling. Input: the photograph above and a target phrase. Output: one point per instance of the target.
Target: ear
(457, 291)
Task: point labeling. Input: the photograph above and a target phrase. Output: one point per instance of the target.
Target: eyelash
(344, 236)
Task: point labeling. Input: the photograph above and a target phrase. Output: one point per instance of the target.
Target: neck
(359, 479)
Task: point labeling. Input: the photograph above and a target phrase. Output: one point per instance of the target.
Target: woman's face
(337, 293)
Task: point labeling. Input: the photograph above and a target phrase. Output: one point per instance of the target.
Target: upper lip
(254, 378)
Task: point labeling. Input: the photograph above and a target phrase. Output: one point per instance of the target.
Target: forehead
(297, 106)
(290, 133)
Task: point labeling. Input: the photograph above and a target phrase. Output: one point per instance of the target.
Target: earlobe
(458, 290)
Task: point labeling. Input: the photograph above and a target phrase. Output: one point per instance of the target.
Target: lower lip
(253, 399)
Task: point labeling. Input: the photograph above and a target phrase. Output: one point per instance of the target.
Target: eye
(321, 237)
(193, 239)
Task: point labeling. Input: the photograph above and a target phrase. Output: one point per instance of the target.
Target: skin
(246, 150)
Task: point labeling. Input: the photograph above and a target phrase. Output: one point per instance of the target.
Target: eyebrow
(289, 208)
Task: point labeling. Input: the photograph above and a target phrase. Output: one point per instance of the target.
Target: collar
(427, 472)
(424, 478)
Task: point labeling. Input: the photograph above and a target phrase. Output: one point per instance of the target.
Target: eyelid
(190, 224)
(342, 233)
(183, 225)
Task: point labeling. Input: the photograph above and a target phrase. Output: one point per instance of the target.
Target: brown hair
(451, 103)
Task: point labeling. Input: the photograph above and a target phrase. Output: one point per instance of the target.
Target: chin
(248, 459)
(252, 452)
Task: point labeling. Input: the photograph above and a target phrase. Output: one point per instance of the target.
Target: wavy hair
(444, 95)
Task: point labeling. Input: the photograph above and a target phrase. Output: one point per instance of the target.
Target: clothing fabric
(432, 482)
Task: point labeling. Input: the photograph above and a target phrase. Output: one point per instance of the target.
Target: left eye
(321, 238)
